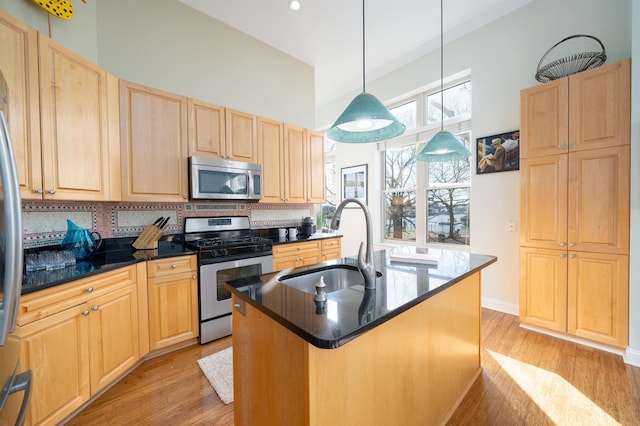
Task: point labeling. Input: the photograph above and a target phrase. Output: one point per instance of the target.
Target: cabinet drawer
(171, 265)
(331, 244)
(295, 248)
(46, 302)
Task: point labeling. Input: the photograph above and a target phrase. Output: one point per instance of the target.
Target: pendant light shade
(444, 146)
(365, 119)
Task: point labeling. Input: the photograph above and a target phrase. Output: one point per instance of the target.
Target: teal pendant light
(365, 119)
(444, 146)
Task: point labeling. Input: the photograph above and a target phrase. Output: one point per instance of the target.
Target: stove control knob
(215, 253)
(224, 252)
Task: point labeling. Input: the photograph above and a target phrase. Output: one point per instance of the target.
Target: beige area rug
(218, 368)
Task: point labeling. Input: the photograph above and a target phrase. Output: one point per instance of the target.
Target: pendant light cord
(441, 67)
(363, 50)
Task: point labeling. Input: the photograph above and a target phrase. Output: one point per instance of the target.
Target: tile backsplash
(45, 222)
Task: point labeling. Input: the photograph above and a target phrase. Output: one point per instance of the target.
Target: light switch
(511, 226)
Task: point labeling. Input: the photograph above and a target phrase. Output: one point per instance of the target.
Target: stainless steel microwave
(217, 179)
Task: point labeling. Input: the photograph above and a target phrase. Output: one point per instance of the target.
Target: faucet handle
(321, 294)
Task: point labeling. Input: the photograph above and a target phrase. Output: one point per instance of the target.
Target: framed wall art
(354, 183)
(498, 153)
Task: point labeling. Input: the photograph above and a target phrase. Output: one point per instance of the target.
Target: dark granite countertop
(351, 311)
(113, 253)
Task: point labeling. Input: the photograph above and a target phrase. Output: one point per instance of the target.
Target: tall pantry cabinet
(574, 208)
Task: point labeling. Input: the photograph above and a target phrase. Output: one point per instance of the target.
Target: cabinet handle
(95, 307)
(39, 191)
(573, 145)
(174, 266)
(572, 244)
(563, 244)
(89, 289)
(51, 191)
(563, 255)
(193, 277)
(85, 312)
(563, 147)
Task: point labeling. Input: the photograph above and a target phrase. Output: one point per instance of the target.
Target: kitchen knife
(164, 222)
(158, 221)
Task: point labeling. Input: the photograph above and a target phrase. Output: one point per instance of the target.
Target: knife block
(148, 239)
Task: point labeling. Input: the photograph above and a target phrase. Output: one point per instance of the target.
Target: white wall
(167, 45)
(502, 57)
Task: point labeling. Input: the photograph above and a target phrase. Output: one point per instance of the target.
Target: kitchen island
(405, 353)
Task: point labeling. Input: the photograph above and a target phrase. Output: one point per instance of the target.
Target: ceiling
(327, 34)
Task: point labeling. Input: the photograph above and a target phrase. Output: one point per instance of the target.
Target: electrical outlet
(511, 226)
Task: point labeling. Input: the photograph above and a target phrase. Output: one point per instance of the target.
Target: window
(326, 211)
(428, 202)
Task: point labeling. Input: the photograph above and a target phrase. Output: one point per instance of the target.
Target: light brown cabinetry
(574, 211)
(292, 161)
(293, 255)
(331, 249)
(19, 66)
(206, 129)
(76, 339)
(173, 300)
(154, 145)
(60, 112)
(240, 134)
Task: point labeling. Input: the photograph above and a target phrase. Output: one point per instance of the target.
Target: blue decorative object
(81, 241)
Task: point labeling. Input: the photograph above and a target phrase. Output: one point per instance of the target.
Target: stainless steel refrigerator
(11, 257)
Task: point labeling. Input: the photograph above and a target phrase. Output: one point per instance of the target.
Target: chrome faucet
(365, 264)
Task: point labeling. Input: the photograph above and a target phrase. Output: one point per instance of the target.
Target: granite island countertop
(353, 311)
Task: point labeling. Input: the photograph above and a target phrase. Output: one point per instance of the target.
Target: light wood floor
(528, 379)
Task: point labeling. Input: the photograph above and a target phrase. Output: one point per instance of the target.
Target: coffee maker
(308, 228)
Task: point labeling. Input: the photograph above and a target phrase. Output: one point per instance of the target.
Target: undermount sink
(336, 277)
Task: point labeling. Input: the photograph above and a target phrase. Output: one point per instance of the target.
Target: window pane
(400, 216)
(448, 172)
(406, 114)
(400, 167)
(324, 216)
(456, 99)
(448, 216)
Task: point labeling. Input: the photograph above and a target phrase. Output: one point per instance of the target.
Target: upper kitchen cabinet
(587, 110)
(240, 133)
(295, 176)
(206, 129)
(316, 188)
(154, 144)
(19, 66)
(271, 157)
(74, 117)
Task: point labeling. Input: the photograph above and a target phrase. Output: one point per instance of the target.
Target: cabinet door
(206, 129)
(600, 107)
(74, 125)
(544, 114)
(543, 288)
(153, 144)
(598, 298)
(316, 189)
(543, 201)
(295, 158)
(56, 350)
(19, 66)
(241, 136)
(599, 200)
(113, 331)
(173, 309)
(271, 157)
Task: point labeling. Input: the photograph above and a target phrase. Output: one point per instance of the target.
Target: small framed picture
(498, 153)
(354, 183)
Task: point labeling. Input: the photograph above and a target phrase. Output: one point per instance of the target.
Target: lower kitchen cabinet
(579, 293)
(76, 339)
(293, 255)
(331, 249)
(173, 300)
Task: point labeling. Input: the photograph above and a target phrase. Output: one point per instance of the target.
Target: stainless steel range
(227, 250)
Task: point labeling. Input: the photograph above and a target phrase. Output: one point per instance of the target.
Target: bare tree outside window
(400, 193)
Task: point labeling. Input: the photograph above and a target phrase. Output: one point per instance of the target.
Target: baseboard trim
(584, 342)
(500, 306)
(632, 357)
